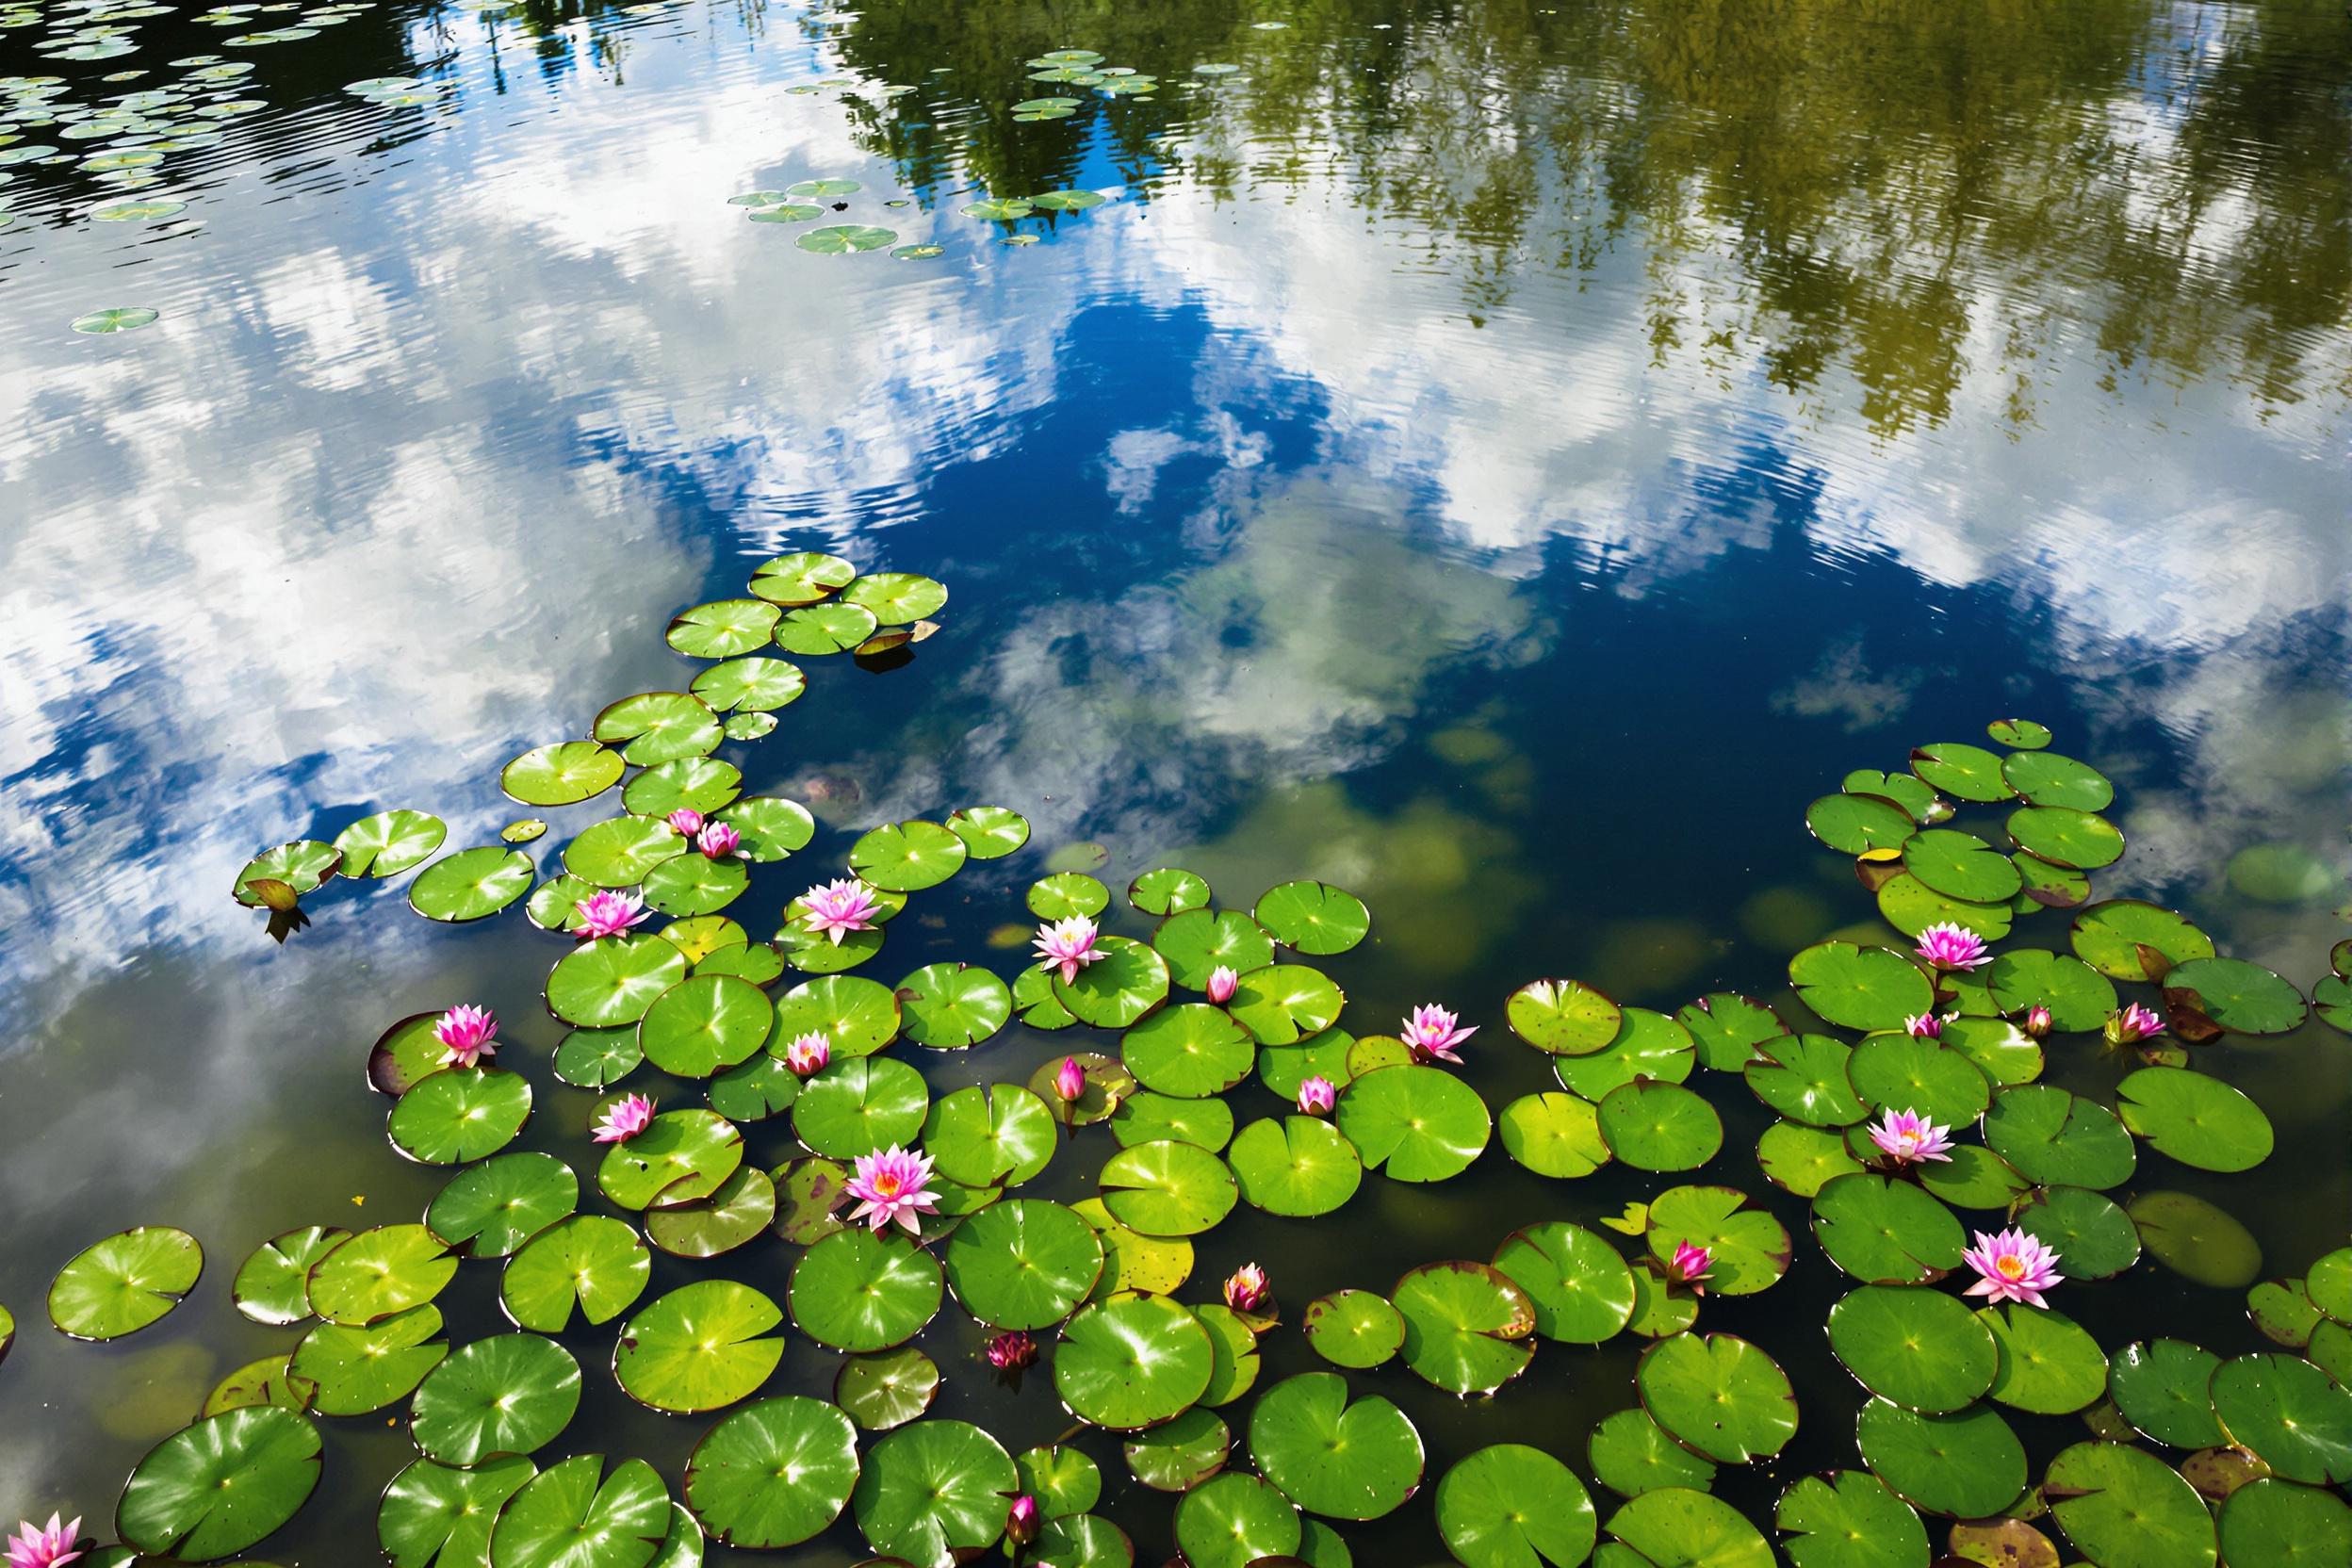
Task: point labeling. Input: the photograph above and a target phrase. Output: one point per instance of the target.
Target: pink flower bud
(2037, 1022)
(717, 839)
(1223, 982)
(1021, 1520)
(1248, 1289)
(1011, 1352)
(1316, 1096)
(1069, 1080)
(687, 820)
(808, 1055)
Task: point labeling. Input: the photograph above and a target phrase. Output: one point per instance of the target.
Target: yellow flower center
(886, 1186)
(2011, 1267)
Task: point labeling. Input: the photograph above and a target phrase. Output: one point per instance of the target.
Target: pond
(1597, 485)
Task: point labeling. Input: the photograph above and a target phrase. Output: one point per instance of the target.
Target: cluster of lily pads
(1214, 1074)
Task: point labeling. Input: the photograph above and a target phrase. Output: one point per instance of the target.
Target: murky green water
(1505, 460)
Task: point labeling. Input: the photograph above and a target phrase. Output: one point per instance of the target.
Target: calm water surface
(1503, 460)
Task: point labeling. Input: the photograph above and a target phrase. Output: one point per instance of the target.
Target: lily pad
(1719, 1395)
(1961, 865)
(698, 784)
(1001, 1135)
(2079, 997)
(303, 866)
(773, 828)
(1168, 891)
(2195, 1239)
(1023, 1264)
(1967, 1464)
(621, 852)
(705, 1024)
(2241, 998)
(590, 1262)
(2048, 1364)
(1632, 1454)
(1120, 988)
(1902, 1073)
(272, 1286)
(1923, 1349)
(2195, 1118)
(1646, 1045)
(575, 1515)
(2054, 1137)
(1884, 1231)
(1803, 1078)
(1355, 1329)
(377, 1273)
(1678, 1529)
(473, 884)
(2119, 939)
(1849, 1519)
(356, 1370)
(1962, 771)
(1145, 1117)
(1313, 918)
(459, 1114)
(124, 1284)
(1748, 1249)
(681, 1157)
(1298, 1166)
(220, 1485)
(2276, 1521)
(1860, 987)
(859, 1290)
(504, 1395)
(613, 981)
(564, 773)
(2289, 1413)
(658, 726)
(1129, 1363)
(1554, 1134)
(1415, 1123)
(1513, 1506)
(822, 628)
(897, 598)
(748, 688)
(436, 1512)
(493, 1208)
(2126, 1508)
(2096, 1239)
(772, 1474)
(857, 1017)
(1179, 1454)
(723, 629)
(1342, 1459)
(1803, 1160)
(1654, 1126)
(1168, 1189)
(730, 1217)
(1856, 823)
(1728, 1027)
(907, 856)
(1198, 943)
(860, 1107)
(990, 832)
(1283, 1003)
(805, 578)
(1466, 1326)
(2163, 1387)
(2064, 837)
(1191, 1049)
(701, 1346)
(952, 1007)
(1563, 1017)
(389, 842)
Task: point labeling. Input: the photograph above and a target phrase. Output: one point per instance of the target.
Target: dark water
(1502, 460)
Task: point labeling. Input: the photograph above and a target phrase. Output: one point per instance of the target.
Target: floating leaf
(723, 629)
(1654, 1126)
(1646, 1045)
(1856, 822)
(1466, 1326)
(300, 866)
(1510, 1505)
(1298, 1166)
(2197, 1240)
(1313, 918)
(1128, 1363)
(1860, 987)
(2125, 1508)
(1331, 1456)
(860, 1107)
(1232, 1520)
(1923, 1349)
(389, 842)
(1901, 1072)
(1632, 1454)
(681, 1157)
(730, 1217)
(459, 1114)
(1554, 1134)
(220, 1485)
(749, 688)
(590, 1262)
(1023, 1264)
(657, 726)
(1675, 1525)
(1565, 1018)
(990, 832)
(802, 579)
(1728, 1027)
(508, 1395)
(2048, 1364)
(1962, 771)
(273, 1284)
(437, 1511)
(1168, 891)
(1196, 942)
(2241, 998)
(897, 598)
(860, 1290)
(1192, 1050)
(1001, 1135)
(773, 1473)
(1720, 1394)
(356, 1370)
(1804, 1077)
(124, 1284)
(2276, 1521)
(2052, 1136)
(1849, 1519)
(2197, 1119)
(700, 1347)
(1748, 1249)
(934, 1491)
(493, 1208)
(2289, 1413)
(1884, 1232)
(1168, 1189)
(1967, 1464)
(907, 856)
(473, 884)
(2119, 937)
(574, 1515)
(1416, 1124)
(1120, 988)
(2064, 837)
(1356, 1329)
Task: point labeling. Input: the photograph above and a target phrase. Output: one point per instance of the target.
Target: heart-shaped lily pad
(590, 1262)
(1923, 1350)
(219, 1485)
(700, 1347)
(1654, 1126)
(272, 1286)
(772, 1474)
(1355, 1329)
(1198, 943)
(494, 1208)
(860, 1289)
(1860, 987)
(1023, 1264)
(2241, 998)
(121, 1285)
(1415, 1123)
(732, 1217)
(1885, 1232)
(473, 884)
(1554, 1134)
(1168, 891)
(1233, 1520)
(887, 1390)
(1314, 918)
(1128, 1363)
(1969, 1464)
(1719, 1395)
(1803, 1078)
(2052, 1136)
(705, 1024)
(438, 1511)
(1180, 1453)
(2048, 1364)
(459, 1114)
(2128, 1509)
(1748, 1249)
(653, 728)
(1168, 1189)
(933, 1492)
(378, 1272)
(1300, 1167)
(1120, 988)
(951, 1006)
(681, 1157)
(1466, 1326)
(1341, 1458)
(2289, 1413)
(1632, 1454)
(1849, 1519)
(389, 842)
(1284, 1004)
(1581, 1289)
(1563, 1017)
(2164, 1387)
(564, 773)
(1191, 1049)
(356, 1370)
(860, 1105)
(2127, 939)
(805, 577)
(1513, 1506)
(1646, 1045)
(605, 984)
(575, 1515)
(507, 1395)
(1672, 1525)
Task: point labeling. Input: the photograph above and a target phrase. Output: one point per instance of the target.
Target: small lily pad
(1355, 1329)
(473, 884)
(124, 1284)
(1340, 1458)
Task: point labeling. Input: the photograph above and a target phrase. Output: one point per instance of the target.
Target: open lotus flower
(717, 839)
(1432, 1031)
(1248, 1288)
(836, 908)
(2037, 1022)
(1908, 1138)
(892, 1186)
(2132, 1025)
(621, 1120)
(466, 1033)
(687, 820)
(1950, 946)
(1223, 982)
(2015, 1266)
(808, 1055)
(43, 1545)
(606, 913)
(1690, 1265)
(1927, 1026)
(1021, 1521)
(1067, 945)
(1316, 1096)
(1069, 1080)
(1011, 1352)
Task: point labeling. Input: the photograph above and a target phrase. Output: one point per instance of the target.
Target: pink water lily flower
(2015, 1266)
(687, 820)
(1247, 1288)
(1069, 1080)
(1316, 1096)
(621, 1120)
(892, 1186)
(1067, 945)
(2037, 1022)
(2134, 1024)
(43, 1545)
(1908, 1138)
(1012, 1350)
(1223, 982)
(1927, 1026)
(808, 1055)
(836, 908)
(606, 913)
(1952, 946)
(1432, 1031)
(1021, 1520)
(1690, 1265)
(468, 1034)
(717, 840)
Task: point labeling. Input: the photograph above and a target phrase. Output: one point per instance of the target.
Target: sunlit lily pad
(1232, 1520)
(2241, 998)
(1691, 1529)
(749, 688)
(2078, 996)
(733, 1217)
(1342, 1459)
(2121, 937)
(1654, 1126)
(359, 1369)
(574, 1514)
(772, 1474)
(1849, 1519)
(507, 1395)
(698, 784)
(1145, 1117)
(907, 856)
(1860, 987)
(2195, 1118)
(2163, 1387)
(805, 578)
(1728, 1027)
(1513, 1506)
(704, 1024)
(220, 1485)
(124, 1284)
(1168, 1189)
(1911, 906)
(303, 866)
(1968, 1465)
(1554, 1134)
(723, 629)
(1579, 1286)
(1313, 918)
(1803, 1160)
(1355, 1329)
(681, 1157)
(2056, 1137)
(701, 1346)
(1066, 893)
(459, 1114)
(1192, 1051)
(619, 851)
(1467, 1326)
(1298, 1166)
(2048, 1364)
(1719, 1395)
(590, 1263)
(114, 318)
(472, 884)
(860, 1105)
(1900, 1072)
(2122, 1507)
(1884, 1231)
(897, 598)
(860, 1289)
(1168, 891)
(657, 726)
(984, 1136)
(492, 1209)
(1023, 1264)
(694, 885)
(2289, 1413)
(272, 1286)
(1855, 822)
(1646, 1045)
(1565, 1018)
(1962, 771)
(603, 984)
(1108, 1085)
(1196, 942)
(1923, 1350)
(379, 1272)
(1180, 1454)
(1415, 1123)
(1128, 1363)
(438, 1511)
(1803, 1078)
(1961, 865)
(389, 842)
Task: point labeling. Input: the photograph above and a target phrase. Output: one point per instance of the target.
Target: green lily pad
(857, 1017)
(1632, 1454)
(658, 726)
(379, 1272)
(2082, 840)
(724, 629)
(272, 1286)
(590, 1262)
(473, 884)
(730, 1217)
(1962, 771)
(1967, 1464)
(2003, 1053)
(1145, 1117)
(1513, 1506)
(1298, 1166)
(1313, 918)
(1646, 1045)
(2328, 1281)
(696, 885)
(2024, 734)
(2197, 1240)
(805, 578)
(2096, 1239)
(897, 598)
(564, 773)
(1001, 1135)
(1129, 1363)
(1563, 1017)
(1961, 865)
(621, 852)
(1168, 891)
(114, 318)
(1355, 1329)
(2126, 1508)
(1849, 1519)
(681, 1157)
(1023, 1264)
(761, 1088)
(700, 1347)
(2079, 997)
(2163, 1387)
(1415, 1123)
(2289, 1413)
(1654, 1126)
(705, 1024)
(860, 1107)
(1082, 1540)
(1466, 1326)
(2276, 1521)
(1331, 1456)
(1554, 1134)
(1748, 1249)
(1198, 943)
(907, 856)
(990, 832)
(124, 1284)
(1233, 1520)
(496, 1398)
(1884, 1231)
(749, 687)
(1066, 893)
(2046, 778)
(1719, 1395)
(773, 828)
(818, 629)
(772, 1474)
(2195, 1118)
(860, 1289)
(951, 1006)
(437, 1511)
(1063, 1480)
(2053, 1138)
(1120, 988)
(1803, 1160)
(604, 983)
(1191, 1049)
(389, 842)
(2048, 1364)
(1905, 1073)
(2120, 937)
(493, 1208)
(1923, 1349)
(574, 1515)
(220, 1485)
(1856, 822)
(1168, 1189)
(1728, 1027)
(1911, 906)
(459, 1114)
(1803, 1078)
(1180, 1454)
(357, 1370)
(2241, 998)
(1860, 987)
(1674, 1527)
